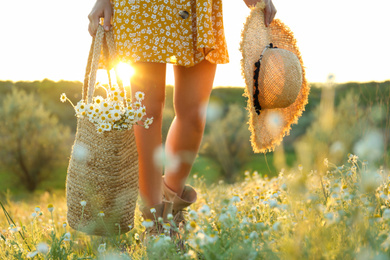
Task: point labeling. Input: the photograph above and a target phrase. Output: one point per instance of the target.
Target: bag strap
(106, 41)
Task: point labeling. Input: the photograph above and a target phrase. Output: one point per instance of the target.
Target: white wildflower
(83, 203)
(32, 254)
(43, 248)
(50, 207)
(147, 223)
(205, 209)
(139, 95)
(253, 235)
(102, 248)
(67, 236)
(63, 97)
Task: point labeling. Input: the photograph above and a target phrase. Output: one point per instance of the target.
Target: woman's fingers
(101, 9)
(269, 13)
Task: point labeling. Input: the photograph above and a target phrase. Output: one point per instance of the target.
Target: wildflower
(67, 236)
(37, 208)
(43, 248)
(116, 114)
(101, 214)
(33, 214)
(167, 226)
(148, 121)
(276, 226)
(212, 238)
(170, 216)
(50, 207)
(193, 224)
(98, 100)
(102, 248)
(235, 198)
(300, 167)
(63, 97)
(83, 203)
(253, 235)
(32, 254)
(130, 227)
(136, 236)
(386, 214)
(152, 210)
(139, 95)
(205, 210)
(104, 105)
(14, 228)
(64, 224)
(326, 162)
(352, 158)
(193, 214)
(148, 223)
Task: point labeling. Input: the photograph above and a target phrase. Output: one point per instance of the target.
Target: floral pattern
(183, 32)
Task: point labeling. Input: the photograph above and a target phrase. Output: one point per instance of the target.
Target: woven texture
(269, 128)
(280, 79)
(103, 171)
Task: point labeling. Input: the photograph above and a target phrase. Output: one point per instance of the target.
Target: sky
(348, 38)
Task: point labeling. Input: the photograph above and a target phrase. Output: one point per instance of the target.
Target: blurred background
(342, 44)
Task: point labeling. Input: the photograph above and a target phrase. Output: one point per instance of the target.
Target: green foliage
(343, 214)
(333, 132)
(228, 142)
(32, 143)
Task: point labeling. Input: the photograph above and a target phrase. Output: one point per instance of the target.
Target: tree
(32, 143)
(228, 142)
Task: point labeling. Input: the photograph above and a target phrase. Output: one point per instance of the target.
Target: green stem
(9, 219)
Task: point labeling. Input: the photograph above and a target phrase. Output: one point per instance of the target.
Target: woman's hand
(269, 11)
(102, 8)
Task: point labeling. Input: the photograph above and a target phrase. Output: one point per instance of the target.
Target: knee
(193, 116)
(155, 110)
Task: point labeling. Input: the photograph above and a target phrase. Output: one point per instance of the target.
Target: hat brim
(268, 128)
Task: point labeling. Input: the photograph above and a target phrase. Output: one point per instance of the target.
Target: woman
(149, 34)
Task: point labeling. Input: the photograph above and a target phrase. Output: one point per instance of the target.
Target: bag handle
(106, 41)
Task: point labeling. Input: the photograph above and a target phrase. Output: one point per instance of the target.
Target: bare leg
(192, 92)
(150, 79)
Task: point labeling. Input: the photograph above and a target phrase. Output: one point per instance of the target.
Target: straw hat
(279, 76)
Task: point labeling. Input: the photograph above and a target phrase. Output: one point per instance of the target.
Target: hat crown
(280, 78)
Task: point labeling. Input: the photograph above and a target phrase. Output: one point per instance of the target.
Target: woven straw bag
(103, 168)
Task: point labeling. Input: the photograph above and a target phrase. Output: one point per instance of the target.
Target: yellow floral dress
(183, 32)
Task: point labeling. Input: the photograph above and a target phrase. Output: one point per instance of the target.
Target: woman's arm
(269, 11)
(102, 8)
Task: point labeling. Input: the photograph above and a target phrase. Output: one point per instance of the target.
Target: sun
(125, 72)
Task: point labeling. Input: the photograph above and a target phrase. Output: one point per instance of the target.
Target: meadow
(323, 194)
(300, 214)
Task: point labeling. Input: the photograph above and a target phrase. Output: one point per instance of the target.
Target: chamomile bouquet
(112, 113)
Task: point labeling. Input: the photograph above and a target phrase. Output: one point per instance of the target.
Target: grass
(342, 213)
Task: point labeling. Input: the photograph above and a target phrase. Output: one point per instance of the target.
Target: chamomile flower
(50, 207)
(101, 214)
(83, 203)
(147, 223)
(80, 107)
(98, 100)
(139, 95)
(63, 97)
(104, 105)
(102, 248)
(116, 114)
(137, 105)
